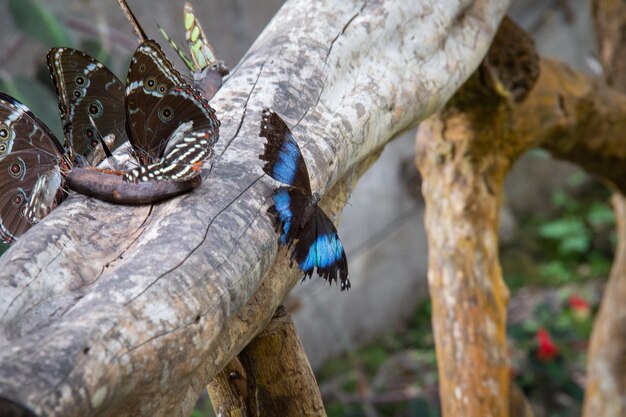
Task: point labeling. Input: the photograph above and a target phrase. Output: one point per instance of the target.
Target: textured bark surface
(128, 311)
(462, 183)
(609, 17)
(464, 154)
(606, 361)
(270, 377)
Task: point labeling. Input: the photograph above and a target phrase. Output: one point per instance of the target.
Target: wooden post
(270, 377)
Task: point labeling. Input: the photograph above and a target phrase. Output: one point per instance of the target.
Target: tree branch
(270, 377)
(606, 368)
(464, 154)
(114, 310)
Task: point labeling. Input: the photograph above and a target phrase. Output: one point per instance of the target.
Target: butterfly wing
(288, 210)
(31, 159)
(202, 52)
(87, 88)
(186, 151)
(318, 246)
(158, 100)
(282, 156)
(296, 214)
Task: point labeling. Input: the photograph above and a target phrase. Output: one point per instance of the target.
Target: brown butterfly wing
(87, 88)
(150, 77)
(31, 160)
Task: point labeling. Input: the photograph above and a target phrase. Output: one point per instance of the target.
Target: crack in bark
(330, 48)
(192, 251)
(243, 117)
(153, 338)
(235, 245)
(141, 228)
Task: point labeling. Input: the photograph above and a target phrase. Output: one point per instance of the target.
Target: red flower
(579, 306)
(546, 350)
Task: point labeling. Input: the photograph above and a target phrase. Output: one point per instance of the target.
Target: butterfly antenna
(112, 160)
(176, 49)
(346, 202)
(141, 34)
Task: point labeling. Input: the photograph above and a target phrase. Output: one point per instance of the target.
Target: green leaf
(556, 270)
(575, 244)
(601, 214)
(563, 228)
(577, 178)
(32, 17)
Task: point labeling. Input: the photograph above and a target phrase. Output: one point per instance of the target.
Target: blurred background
(372, 348)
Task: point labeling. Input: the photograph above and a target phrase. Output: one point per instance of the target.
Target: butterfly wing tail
(318, 247)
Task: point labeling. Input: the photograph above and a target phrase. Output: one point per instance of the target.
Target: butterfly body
(303, 225)
(32, 165)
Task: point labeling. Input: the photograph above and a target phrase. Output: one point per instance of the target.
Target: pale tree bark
(464, 154)
(270, 377)
(605, 394)
(128, 311)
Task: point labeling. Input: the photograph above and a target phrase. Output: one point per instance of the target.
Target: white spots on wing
(133, 86)
(98, 397)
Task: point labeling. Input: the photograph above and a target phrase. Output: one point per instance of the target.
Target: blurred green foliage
(574, 243)
(36, 21)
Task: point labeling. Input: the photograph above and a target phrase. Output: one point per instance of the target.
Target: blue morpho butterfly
(297, 216)
(149, 111)
(32, 167)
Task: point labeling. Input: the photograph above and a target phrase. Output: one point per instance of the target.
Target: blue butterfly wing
(288, 209)
(282, 156)
(298, 219)
(318, 247)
